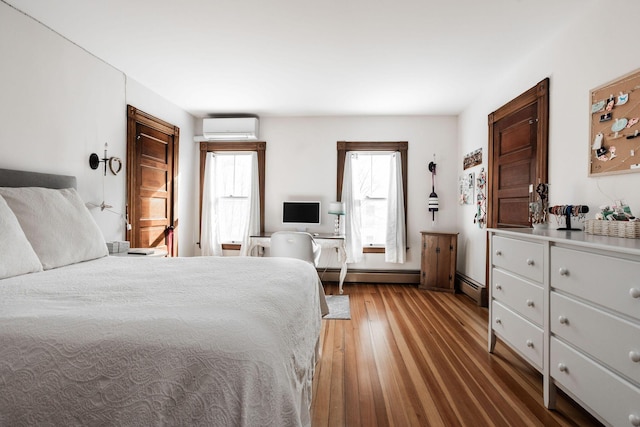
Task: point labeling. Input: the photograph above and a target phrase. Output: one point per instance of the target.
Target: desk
(329, 241)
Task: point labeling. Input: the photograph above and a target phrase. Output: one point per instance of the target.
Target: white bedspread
(146, 342)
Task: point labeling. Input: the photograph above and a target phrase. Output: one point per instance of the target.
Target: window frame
(345, 146)
(260, 148)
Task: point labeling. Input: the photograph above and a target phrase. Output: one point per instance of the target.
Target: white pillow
(57, 224)
(16, 254)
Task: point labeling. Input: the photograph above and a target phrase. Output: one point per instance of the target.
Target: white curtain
(395, 244)
(352, 223)
(210, 233)
(252, 224)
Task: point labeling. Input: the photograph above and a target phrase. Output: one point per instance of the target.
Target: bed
(145, 341)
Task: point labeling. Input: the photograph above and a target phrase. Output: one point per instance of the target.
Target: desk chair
(295, 244)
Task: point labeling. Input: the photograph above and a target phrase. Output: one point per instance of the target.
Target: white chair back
(293, 244)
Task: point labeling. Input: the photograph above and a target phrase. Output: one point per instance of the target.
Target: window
(371, 172)
(371, 179)
(233, 182)
(233, 177)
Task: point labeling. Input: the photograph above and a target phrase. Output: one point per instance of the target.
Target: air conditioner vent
(230, 128)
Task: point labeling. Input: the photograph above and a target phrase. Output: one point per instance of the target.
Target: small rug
(339, 308)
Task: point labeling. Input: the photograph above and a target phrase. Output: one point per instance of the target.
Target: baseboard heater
(371, 276)
(472, 288)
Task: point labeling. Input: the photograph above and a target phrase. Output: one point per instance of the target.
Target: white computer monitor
(301, 214)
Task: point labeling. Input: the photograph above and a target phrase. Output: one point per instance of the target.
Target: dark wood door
(151, 180)
(514, 164)
(518, 141)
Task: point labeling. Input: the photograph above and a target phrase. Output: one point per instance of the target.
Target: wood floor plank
(410, 357)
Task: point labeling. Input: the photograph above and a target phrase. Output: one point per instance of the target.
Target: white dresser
(569, 303)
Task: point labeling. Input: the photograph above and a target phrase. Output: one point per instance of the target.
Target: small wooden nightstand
(438, 262)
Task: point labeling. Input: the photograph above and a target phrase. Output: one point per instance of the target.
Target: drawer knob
(634, 292)
(498, 286)
(563, 320)
(529, 343)
(530, 261)
(634, 420)
(498, 253)
(562, 367)
(563, 271)
(498, 321)
(634, 356)
(530, 303)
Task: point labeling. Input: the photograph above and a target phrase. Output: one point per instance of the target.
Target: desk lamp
(337, 209)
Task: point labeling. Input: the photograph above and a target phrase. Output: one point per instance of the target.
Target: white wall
(579, 59)
(301, 161)
(59, 104)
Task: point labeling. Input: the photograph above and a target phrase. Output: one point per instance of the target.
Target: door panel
(515, 174)
(517, 137)
(511, 210)
(153, 237)
(152, 163)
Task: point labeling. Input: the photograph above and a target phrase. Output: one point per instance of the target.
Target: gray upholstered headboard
(16, 178)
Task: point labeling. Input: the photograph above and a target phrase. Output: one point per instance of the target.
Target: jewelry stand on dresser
(568, 211)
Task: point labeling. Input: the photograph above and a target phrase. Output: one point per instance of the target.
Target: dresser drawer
(518, 256)
(611, 282)
(613, 341)
(612, 398)
(522, 296)
(521, 334)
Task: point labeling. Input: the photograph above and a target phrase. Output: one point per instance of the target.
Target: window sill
(373, 250)
(231, 246)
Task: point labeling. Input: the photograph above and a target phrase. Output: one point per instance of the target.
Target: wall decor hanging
(433, 197)
(466, 184)
(472, 159)
(614, 147)
(481, 200)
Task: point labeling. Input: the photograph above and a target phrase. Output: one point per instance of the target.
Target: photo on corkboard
(614, 147)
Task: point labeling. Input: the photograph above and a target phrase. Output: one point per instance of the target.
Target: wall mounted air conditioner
(230, 128)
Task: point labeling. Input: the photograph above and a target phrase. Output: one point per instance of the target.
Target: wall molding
(474, 289)
(409, 277)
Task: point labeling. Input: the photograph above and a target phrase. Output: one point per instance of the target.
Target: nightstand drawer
(611, 397)
(614, 341)
(611, 282)
(521, 257)
(521, 334)
(520, 295)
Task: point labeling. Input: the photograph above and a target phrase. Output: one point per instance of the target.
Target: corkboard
(614, 126)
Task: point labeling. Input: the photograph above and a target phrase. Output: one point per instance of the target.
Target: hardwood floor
(418, 358)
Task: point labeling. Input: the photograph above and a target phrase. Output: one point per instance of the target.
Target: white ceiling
(309, 58)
